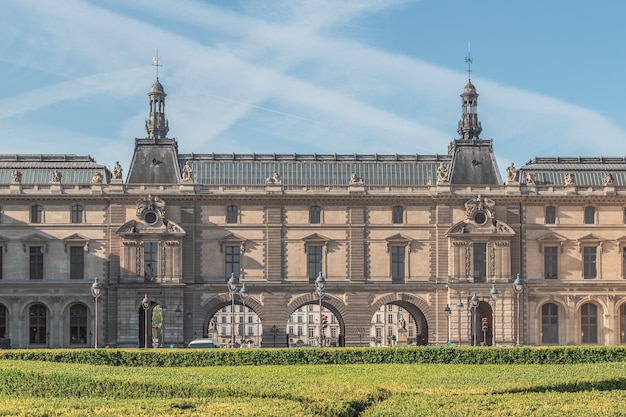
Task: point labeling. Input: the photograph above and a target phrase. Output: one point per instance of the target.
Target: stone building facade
(414, 249)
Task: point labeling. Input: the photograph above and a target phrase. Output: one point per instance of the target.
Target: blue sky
(313, 76)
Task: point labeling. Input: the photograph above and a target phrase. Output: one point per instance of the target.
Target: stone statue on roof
(96, 178)
(117, 171)
(569, 178)
(511, 173)
(608, 178)
(530, 178)
(273, 180)
(442, 173)
(56, 176)
(187, 172)
(16, 176)
(354, 180)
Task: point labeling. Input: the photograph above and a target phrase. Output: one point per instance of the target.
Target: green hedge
(300, 356)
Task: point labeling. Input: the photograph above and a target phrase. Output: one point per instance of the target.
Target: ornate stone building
(414, 248)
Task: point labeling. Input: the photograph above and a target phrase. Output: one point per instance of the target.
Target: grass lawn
(30, 388)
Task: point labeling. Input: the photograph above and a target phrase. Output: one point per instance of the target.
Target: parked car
(201, 343)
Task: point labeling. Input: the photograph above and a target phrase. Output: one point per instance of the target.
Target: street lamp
(178, 312)
(447, 310)
(145, 303)
(518, 289)
(273, 331)
(320, 288)
(96, 291)
(459, 307)
(233, 282)
(494, 297)
(474, 305)
(243, 294)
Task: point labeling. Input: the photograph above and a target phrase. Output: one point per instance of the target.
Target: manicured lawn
(31, 388)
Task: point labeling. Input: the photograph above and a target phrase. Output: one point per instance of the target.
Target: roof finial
(156, 62)
(468, 59)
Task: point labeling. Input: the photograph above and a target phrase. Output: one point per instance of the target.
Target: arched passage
(398, 319)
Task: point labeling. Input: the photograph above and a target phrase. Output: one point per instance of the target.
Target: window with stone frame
(232, 214)
(314, 261)
(232, 260)
(397, 215)
(37, 324)
(551, 262)
(77, 213)
(35, 260)
(77, 262)
(589, 323)
(590, 270)
(398, 263)
(549, 324)
(550, 216)
(480, 261)
(315, 214)
(150, 260)
(36, 214)
(590, 215)
(3, 321)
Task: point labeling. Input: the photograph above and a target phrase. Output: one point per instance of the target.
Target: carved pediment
(590, 238)
(136, 229)
(232, 239)
(315, 239)
(76, 239)
(551, 239)
(35, 239)
(399, 239)
(468, 228)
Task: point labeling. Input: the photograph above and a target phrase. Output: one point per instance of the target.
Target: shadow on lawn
(578, 386)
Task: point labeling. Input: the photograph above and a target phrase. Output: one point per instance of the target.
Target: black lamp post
(233, 282)
(459, 307)
(178, 313)
(273, 331)
(145, 303)
(243, 294)
(474, 305)
(518, 289)
(320, 288)
(494, 297)
(96, 291)
(448, 311)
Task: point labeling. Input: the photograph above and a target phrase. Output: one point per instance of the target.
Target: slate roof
(587, 171)
(314, 169)
(38, 168)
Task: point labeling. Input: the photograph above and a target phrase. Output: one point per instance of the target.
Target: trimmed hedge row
(317, 356)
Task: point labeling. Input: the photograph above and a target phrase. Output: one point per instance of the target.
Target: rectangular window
(550, 262)
(397, 215)
(77, 262)
(589, 262)
(480, 262)
(590, 215)
(333, 332)
(150, 260)
(1, 263)
(315, 215)
(550, 215)
(35, 214)
(36, 262)
(232, 214)
(232, 260)
(379, 333)
(397, 264)
(77, 214)
(314, 262)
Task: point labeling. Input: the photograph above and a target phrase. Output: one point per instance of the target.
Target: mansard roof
(587, 171)
(314, 169)
(38, 168)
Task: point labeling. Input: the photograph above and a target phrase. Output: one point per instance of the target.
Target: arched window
(38, 324)
(589, 323)
(550, 324)
(77, 213)
(232, 212)
(78, 324)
